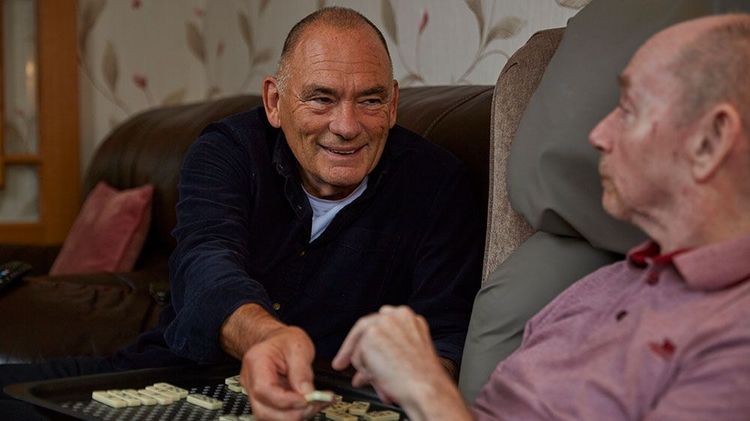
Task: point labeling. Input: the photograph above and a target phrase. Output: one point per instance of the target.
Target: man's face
(335, 107)
(639, 140)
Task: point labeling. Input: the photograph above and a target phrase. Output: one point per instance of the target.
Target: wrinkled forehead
(650, 70)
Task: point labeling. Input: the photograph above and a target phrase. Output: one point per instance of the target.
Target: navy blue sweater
(243, 231)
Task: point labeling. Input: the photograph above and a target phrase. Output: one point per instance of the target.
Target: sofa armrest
(82, 315)
(39, 257)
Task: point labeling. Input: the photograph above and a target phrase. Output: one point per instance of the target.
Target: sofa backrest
(149, 147)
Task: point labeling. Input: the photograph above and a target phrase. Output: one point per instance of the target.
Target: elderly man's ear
(271, 100)
(720, 131)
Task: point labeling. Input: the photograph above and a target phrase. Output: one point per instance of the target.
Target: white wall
(137, 54)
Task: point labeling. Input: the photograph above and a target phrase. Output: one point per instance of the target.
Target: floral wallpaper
(136, 54)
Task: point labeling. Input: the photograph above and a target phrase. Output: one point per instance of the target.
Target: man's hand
(393, 351)
(276, 363)
(277, 374)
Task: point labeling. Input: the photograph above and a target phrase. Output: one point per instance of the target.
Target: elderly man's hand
(277, 373)
(393, 351)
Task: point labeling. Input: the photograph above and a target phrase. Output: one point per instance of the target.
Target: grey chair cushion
(542, 267)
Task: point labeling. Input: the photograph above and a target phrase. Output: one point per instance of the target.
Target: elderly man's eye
(319, 100)
(371, 101)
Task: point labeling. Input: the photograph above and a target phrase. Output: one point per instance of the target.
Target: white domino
(359, 408)
(172, 389)
(341, 416)
(235, 388)
(145, 399)
(382, 416)
(160, 398)
(232, 380)
(121, 394)
(246, 418)
(229, 418)
(204, 401)
(320, 396)
(108, 399)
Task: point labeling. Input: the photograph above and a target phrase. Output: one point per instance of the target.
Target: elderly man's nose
(345, 121)
(601, 135)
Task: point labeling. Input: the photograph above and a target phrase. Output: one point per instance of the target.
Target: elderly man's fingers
(264, 383)
(344, 357)
(300, 372)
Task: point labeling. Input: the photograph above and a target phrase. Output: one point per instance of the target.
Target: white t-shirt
(325, 210)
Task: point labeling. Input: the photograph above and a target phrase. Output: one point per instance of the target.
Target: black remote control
(12, 272)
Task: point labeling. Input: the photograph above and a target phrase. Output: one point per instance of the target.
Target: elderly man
(299, 217)
(663, 334)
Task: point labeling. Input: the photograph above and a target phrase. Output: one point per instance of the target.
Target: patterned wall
(136, 54)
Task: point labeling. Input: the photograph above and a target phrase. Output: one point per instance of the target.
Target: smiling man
(662, 335)
(299, 217)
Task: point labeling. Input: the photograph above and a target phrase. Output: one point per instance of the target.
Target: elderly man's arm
(220, 309)
(393, 351)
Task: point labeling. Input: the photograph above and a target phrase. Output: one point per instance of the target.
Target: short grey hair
(336, 17)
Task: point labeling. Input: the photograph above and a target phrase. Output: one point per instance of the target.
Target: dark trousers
(12, 409)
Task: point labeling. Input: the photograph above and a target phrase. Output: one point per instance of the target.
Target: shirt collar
(711, 267)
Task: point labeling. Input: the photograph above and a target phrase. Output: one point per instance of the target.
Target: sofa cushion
(108, 234)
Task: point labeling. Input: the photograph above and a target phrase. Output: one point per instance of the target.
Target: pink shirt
(651, 337)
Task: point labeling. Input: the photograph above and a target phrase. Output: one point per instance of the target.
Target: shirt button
(276, 306)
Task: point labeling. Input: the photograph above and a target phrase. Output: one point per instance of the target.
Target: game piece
(232, 380)
(161, 398)
(246, 418)
(359, 407)
(120, 394)
(341, 416)
(320, 396)
(229, 418)
(381, 416)
(172, 389)
(235, 388)
(337, 407)
(204, 401)
(108, 399)
(145, 399)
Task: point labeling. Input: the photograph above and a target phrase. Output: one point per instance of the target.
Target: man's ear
(271, 100)
(714, 139)
(394, 104)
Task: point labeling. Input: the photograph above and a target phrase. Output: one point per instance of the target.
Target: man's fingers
(300, 374)
(351, 342)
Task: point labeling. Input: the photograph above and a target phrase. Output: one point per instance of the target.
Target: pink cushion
(108, 234)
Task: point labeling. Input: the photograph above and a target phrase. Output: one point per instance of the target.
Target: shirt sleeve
(209, 277)
(447, 268)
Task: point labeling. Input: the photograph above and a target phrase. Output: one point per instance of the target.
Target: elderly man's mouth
(343, 151)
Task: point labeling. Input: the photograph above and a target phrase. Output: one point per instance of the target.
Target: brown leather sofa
(95, 314)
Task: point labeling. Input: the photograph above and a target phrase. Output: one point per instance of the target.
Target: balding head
(675, 153)
(332, 17)
(713, 64)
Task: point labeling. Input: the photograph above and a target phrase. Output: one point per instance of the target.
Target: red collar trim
(649, 253)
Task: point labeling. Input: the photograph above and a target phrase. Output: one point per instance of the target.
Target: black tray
(71, 397)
